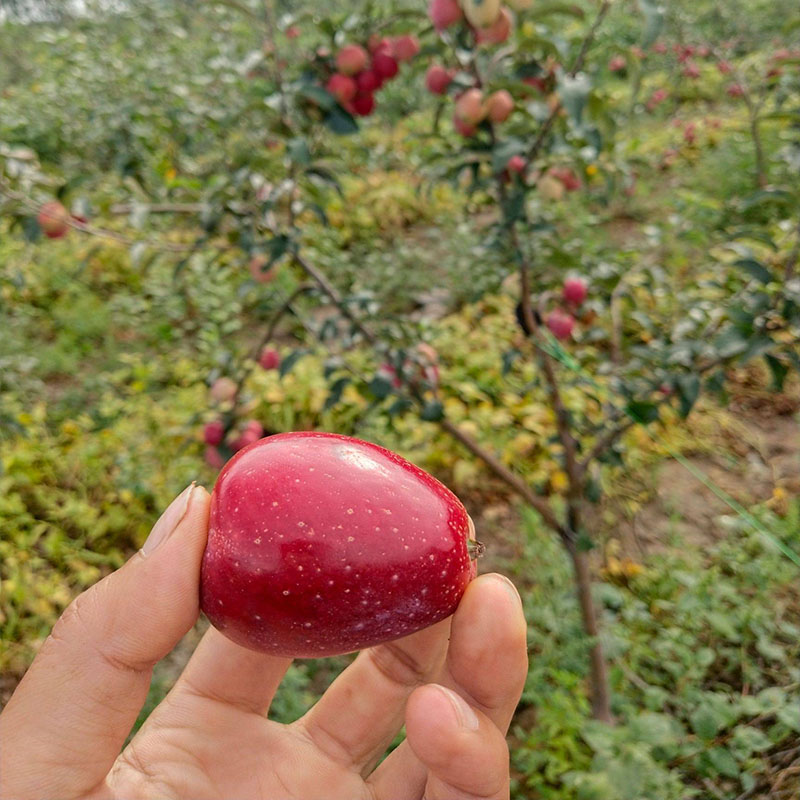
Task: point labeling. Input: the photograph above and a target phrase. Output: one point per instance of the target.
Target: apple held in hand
(321, 544)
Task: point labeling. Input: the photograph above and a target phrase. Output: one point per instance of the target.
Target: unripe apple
(575, 291)
(223, 389)
(444, 13)
(384, 66)
(321, 544)
(214, 432)
(367, 81)
(405, 47)
(550, 188)
(363, 104)
(470, 107)
(499, 106)
(269, 359)
(516, 164)
(352, 58)
(560, 324)
(213, 457)
(481, 13)
(438, 78)
(342, 87)
(53, 219)
(498, 32)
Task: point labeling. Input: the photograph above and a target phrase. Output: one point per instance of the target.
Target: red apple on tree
(575, 291)
(320, 544)
(499, 106)
(405, 47)
(560, 323)
(444, 13)
(363, 104)
(368, 82)
(498, 32)
(213, 457)
(516, 164)
(342, 87)
(351, 59)
(470, 107)
(384, 66)
(53, 219)
(438, 78)
(223, 389)
(214, 432)
(270, 358)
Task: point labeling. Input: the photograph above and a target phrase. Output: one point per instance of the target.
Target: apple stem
(475, 549)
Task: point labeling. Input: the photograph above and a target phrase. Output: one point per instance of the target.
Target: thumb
(69, 717)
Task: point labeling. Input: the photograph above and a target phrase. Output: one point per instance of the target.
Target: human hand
(455, 685)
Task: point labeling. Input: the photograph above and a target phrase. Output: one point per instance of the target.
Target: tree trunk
(598, 672)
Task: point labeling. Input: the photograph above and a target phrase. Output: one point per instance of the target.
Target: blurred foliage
(109, 343)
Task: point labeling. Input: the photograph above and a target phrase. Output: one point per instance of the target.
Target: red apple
(465, 129)
(270, 358)
(659, 47)
(292, 32)
(691, 70)
(516, 164)
(735, 90)
(725, 67)
(499, 106)
(405, 47)
(363, 104)
(352, 58)
(53, 219)
(470, 107)
(384, 66)
(214, 432)
(223, 390)
(342, 87)
(560, 324)
(379, 44)
(564, 174)
(320, 544)
(498, 31)
(617, 64)
(367, 81)
(575, 291)
(444, 13)
(214, 458)
(438, 78)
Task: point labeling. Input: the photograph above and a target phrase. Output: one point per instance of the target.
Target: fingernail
(509, 587)
(168, 521)
(465, 715)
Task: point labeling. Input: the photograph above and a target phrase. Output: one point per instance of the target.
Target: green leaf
(705, 722)
(755, 269)
(380, 388)
(642, 412)
(771, 651)
(432, 412)
(688, 387)
(778, 370)
(541, 10)
(298, 151)
(723, 762)
(339, 121)
(291, 360)
(336, 392)
(574, 92)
